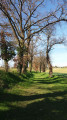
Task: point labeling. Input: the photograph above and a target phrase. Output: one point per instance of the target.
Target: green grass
(33, 96)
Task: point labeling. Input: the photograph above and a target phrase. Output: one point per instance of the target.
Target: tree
(36, 63)
(32, 51)
(7, 50)
(26, 22)
(44, 65)
(39, 62)
(50, 42)
(42, 61)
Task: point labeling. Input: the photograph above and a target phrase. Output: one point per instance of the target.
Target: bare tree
(26, 22)
(39, 62)
(44, 65)
(50, 41)
(36, 63)
(42, 61)
(32, 51)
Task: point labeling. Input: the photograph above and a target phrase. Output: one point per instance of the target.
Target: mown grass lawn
(33, 96)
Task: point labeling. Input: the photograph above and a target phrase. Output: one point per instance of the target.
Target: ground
(33, 96)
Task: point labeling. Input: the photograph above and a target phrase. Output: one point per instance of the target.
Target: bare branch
(32, 13)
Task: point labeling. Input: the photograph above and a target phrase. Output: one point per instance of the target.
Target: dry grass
(59, 70)
(55, 70)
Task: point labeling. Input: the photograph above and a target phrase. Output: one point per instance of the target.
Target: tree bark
(20, 69)
(40, 67)
(49, 65)
(25, 64)
(20, 64)
(6, 66)
(25, 68)
(50, 69)
(31, 64)
(43, 67)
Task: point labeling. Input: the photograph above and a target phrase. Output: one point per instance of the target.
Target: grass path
(34, 96)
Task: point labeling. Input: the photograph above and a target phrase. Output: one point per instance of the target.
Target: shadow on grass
(7, 97)
(28, 75)
(50, 106)
(9, 79)
(59, 78)
(46, 109)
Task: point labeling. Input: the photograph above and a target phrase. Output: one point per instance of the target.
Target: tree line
(25, 21)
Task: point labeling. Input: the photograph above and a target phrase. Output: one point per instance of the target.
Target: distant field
(60, 70)
(55, 70)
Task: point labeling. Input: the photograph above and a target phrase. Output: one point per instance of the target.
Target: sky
(11, 63)
(59, 56)
(59, 53)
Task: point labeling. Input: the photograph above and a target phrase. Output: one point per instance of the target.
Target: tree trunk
(25, 64)
(40, 67)
(20, 64)
(31, 64)
(20, 68)
(43, 67)
(25, 67)
(50, 70)
(26, 61)
(49, 64)
(6, 66)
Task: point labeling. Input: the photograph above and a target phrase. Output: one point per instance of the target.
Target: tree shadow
(55, 79)
(50, 108)
(9, 79)
(7, 97)
(28, 75)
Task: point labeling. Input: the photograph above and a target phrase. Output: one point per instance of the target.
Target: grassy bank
(33, 96)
